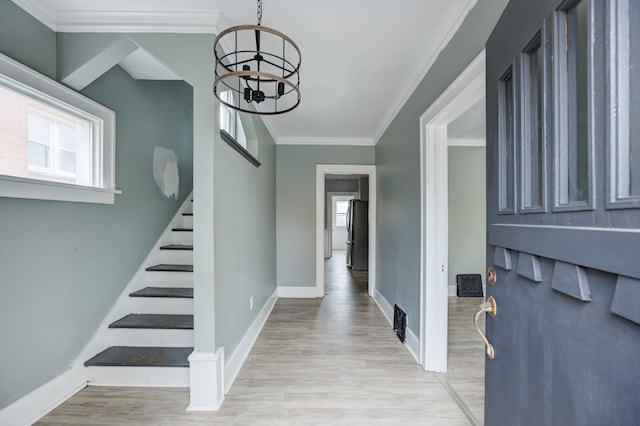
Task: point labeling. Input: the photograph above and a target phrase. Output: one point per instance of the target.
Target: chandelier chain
(259, 12)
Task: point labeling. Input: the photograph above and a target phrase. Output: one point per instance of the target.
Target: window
(533, 127)
(624, 140)
(506, 144)
(342, 206)
(572, 187)
(54, 143)
(230, 120)
(234, 132)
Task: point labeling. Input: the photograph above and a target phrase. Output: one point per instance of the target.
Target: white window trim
(55, 94)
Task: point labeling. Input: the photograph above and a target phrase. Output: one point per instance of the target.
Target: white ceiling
(361, 59)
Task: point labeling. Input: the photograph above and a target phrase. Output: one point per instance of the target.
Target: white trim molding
(239, 356)
(466, 142)
(344, 169)
(451, 23)
(41, 401)
(309, 292)
(206, 377)
(123, 21)
(412, 343)
(464, 92)
(325, 141)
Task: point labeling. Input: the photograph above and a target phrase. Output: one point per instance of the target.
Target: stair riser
(164, 305)
(187, 221)
(169, 279)
(177, 257)
(149, 337)
(138, 376)
(182, 237)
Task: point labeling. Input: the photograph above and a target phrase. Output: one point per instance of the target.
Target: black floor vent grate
(469, 285)
(400, 323)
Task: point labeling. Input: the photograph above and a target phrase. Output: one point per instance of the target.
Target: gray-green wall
(64, 264)
(398, 166)
(245, 236)
(296, 205)
(467, 214)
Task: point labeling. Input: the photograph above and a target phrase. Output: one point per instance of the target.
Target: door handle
(490, 307)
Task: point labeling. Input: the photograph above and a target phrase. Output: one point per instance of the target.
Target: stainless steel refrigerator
(358, 235)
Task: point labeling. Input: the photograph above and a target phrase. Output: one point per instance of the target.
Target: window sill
(230, 140)
(15, 187)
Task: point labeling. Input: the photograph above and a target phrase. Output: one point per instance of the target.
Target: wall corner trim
(239, 356)
(206, 374)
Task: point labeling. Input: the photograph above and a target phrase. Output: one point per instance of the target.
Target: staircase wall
(64, 264)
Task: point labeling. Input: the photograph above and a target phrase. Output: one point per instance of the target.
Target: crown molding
(39, 11)
(325, 141)
(123, 21)
(451, 24)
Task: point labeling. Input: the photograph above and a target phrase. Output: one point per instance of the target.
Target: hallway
(334, 361)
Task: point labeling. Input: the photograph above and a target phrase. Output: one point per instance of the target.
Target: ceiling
(361, 59)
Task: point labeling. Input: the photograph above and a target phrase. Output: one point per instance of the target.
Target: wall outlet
(251, 303)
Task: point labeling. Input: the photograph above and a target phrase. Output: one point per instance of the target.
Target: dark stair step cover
(177, 292)
(187, 214)
(155, 321)
(177, 247)
(141, 357)
(182, 229)
(170, 268)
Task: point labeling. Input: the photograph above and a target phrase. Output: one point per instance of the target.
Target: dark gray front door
(563, 213)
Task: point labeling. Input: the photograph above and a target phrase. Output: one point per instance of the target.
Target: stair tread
(178, 292)
(155, 321)
(167, 267)
(182, 229)
(132, 356)
(187, 214)
(177, 247)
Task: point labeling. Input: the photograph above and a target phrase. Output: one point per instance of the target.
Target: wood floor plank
(330, 361)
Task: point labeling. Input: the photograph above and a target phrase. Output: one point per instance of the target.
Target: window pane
(38, 128)
(507, 185)
(626, 145)
(533, 159)
(341, 220)
(38, 155)
(342, 207)
(67, 138)
(633, 152)
(67, 161)
(573, 153)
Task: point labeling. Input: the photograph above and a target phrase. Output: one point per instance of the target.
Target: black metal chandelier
(262, 67)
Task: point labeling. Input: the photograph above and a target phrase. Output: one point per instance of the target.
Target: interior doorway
(448, 337)
(324, 218)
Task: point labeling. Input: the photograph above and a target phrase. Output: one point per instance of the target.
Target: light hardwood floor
(331, 361)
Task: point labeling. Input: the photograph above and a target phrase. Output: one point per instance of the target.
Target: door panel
(563, 220)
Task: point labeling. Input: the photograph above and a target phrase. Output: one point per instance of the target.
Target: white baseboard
(239, 356)
(453, 290)
(297, 292)
(38, 403)
(412, 343)
(206, 371)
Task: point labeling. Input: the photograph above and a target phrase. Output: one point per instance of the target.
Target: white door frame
(344, 169)
(464, 92)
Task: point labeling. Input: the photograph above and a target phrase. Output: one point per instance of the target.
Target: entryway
(452, 240)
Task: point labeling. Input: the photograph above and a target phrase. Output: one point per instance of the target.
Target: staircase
(158, 330)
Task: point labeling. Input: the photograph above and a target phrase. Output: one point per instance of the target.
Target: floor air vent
(399, 323)
(469, 285)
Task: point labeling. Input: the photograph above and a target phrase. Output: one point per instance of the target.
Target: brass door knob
(491, 275)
